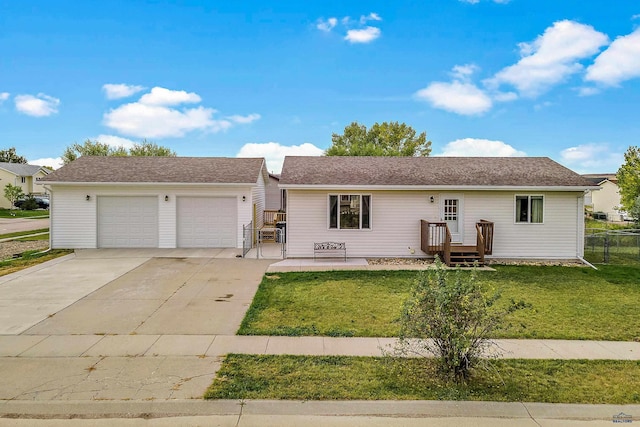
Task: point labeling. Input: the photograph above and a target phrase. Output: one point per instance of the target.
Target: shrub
(448, 316)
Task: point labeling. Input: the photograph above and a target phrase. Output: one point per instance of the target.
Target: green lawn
(562, 302)
(29, 260)
(24, 233)
(17, 213)
(367, 378)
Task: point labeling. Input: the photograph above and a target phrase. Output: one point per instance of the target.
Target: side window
(530, 209)
(349, 211)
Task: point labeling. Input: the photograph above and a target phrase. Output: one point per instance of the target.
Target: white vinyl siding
(395, 224)
(207, 222)
(258, 198)
(396, 219)
(74, 219)
(127, 222)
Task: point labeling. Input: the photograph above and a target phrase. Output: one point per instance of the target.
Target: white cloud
(48, 161)
(327, 25)
(40, 105)
(550, 58)
(4, 96)
(370, 17)
(475, 147)
(595, 158)
(636, 16)
(464, 72)
(166, 97)
(274, 152)
(457, 97)
(365, 35)
(120, 90)
(620, 62)
(244, 119)
(588, 91)
(504, 96)
(157, 115)
(115, 141)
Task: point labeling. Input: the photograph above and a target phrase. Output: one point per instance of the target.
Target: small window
(529, 209)
(23, 179)
(350, 212)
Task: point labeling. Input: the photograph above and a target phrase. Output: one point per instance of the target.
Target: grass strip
(366, 378)
(17, 213)
(23, 233)
(559, 303)
(30, 259)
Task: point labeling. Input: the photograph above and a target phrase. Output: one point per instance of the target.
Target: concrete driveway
(14, 225)
(131, 292)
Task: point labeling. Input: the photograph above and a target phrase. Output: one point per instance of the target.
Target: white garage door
(127, 222)
(207, 222)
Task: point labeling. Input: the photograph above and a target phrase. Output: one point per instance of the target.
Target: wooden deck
(435, 239)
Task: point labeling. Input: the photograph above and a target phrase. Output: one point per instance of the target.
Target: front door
(451, 213)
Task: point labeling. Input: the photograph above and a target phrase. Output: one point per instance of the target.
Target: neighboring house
(24, 176)
(157, 202)
(273, 194)
(375, 204)
(607, 199)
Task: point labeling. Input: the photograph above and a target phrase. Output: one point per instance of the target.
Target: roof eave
(438, 187)
(168, 184)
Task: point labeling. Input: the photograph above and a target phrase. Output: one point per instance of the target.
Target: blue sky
(268, 78)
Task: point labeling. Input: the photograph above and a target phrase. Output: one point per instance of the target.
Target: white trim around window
(349, 211)
(529, 209)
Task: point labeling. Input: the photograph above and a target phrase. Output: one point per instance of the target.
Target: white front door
(451, 213)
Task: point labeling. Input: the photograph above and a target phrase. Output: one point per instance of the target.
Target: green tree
(452, 319)
(146, 148)
(634, 212)
(12, 193)
(629, 178)
(383, 139)
(97, 148)
(10, 156)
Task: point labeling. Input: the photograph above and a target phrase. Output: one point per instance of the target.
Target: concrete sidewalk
(47, 346)
(312, 413)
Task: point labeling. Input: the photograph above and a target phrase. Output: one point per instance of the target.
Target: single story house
(607, 199)
(24, 176)
(381, 206)
(155, 202)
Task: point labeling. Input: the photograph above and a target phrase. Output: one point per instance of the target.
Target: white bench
(329, 247)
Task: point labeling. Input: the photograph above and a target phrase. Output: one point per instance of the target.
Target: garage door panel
(207, 222)
(127, 222)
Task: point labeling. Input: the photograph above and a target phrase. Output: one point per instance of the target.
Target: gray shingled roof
(102, 169)
(429, 171)
(20, 169)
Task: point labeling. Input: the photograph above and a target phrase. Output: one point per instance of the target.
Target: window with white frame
(23, 179)
(530, 209)
(349, 211)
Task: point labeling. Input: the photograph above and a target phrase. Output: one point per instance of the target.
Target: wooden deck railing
(435, 239)
(270, 217)
(486, 230)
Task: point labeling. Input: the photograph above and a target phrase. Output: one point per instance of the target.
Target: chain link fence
(612, 246)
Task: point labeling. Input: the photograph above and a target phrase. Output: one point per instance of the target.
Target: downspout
(587, 263)
(580, 230)
(50, 225)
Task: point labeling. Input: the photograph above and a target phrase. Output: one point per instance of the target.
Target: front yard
(368, 378)
(559, 302)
